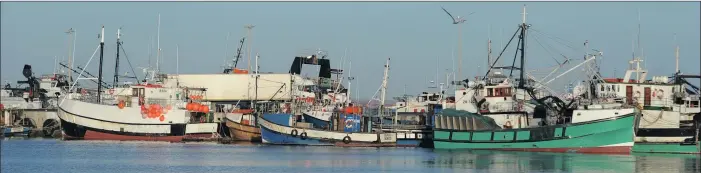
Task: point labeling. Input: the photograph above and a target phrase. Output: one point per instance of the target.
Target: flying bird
(456, 20)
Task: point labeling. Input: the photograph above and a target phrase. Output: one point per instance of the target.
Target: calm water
(49, 155)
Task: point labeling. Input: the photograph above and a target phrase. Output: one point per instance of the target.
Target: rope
(555, 38)
(546, 50)
(132, 68)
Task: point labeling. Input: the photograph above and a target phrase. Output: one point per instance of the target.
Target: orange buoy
(121, 104)
(152, 111)
(200, 108)
(162, 118)
(205, 109)
(195, 107)
(159, 112)
(188, 106)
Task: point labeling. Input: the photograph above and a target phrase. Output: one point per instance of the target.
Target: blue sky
(418, 36)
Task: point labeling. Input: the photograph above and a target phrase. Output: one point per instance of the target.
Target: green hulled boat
(612, 134)
(670, 147)
(494, 115)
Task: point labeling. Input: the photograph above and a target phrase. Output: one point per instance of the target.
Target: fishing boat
(346, 126)
(20, 105)
(410, 119)
(670, 112)
(519, 118)
(271, 93)
(242, 125)
(146, 112)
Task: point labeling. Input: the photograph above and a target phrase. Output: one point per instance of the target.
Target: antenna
(524, 13)
(489, 46)
(642, 54)
(248, 35)
(177, 59)
(158, 49)
(70, 61)
(150, 49)
(226, 47)
(676, 54)
(70, 64)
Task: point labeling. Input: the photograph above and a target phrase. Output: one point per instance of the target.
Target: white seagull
(456, 20)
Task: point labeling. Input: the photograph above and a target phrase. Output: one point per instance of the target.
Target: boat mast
(116, 64)
(248, 35)
(158, 42)
(676, 54)
(489, 47)
(71, 48)
(384, 88)
(99, 75)
(350, 78)
(177, 64)
(524, 27)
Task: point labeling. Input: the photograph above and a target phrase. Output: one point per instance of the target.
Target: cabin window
(499, 92)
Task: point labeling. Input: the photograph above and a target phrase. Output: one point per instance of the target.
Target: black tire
(303, 135)
(346, 140)
(294, 133)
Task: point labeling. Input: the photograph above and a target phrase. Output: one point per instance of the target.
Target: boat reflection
(499, 161)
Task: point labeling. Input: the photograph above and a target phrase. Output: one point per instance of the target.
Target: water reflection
(496, 161)
(122, 157)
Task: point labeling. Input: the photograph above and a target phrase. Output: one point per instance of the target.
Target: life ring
(83, 91)
(294, 133)
(508, 124)
(286, 108)
(346, 140)
(659, 96)
(303, 135)
(349, 123)
(121, 104)
(111, 91)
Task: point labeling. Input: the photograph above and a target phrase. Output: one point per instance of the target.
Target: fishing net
(464, 120)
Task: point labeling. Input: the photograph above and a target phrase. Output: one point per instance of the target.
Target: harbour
(538, 102)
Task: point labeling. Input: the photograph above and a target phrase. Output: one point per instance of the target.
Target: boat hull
(611, 135)
(678, 148)
(277, 131)
(202, 132)
(243, 132)
(92, 126)
(72, 131)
